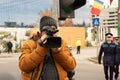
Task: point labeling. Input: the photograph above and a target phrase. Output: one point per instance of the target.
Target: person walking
(108, 47)
(117, 57)
(78, 44)
(9, 46)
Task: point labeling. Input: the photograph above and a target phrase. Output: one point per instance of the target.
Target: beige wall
(70, 34)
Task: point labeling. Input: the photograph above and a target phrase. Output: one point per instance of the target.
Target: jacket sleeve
(65, 58)
(115, 51)
(100, 55)
(30, 57)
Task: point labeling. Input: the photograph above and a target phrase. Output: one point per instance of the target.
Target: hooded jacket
(32, 59)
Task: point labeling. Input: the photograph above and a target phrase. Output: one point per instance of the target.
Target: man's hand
(44, 37)
(99, 62)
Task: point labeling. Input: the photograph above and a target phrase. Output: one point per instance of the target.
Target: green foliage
(94, 34)
(5, 34)
(86, 34)
(4, 45)
(88, 44)
(27, 33)
(17, 48)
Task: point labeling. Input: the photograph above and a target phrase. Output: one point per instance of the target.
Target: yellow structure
(72, 34)
(69, 34)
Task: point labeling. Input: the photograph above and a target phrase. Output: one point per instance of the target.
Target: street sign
(96, 22)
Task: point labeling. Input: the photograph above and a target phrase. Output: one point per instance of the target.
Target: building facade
(108, 22)
(109, 18)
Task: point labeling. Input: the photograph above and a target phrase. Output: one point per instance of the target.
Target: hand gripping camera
(52, 42)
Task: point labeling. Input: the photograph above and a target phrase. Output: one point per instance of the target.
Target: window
(112, 16)
(111, 12)
(110, 23)
(111, 19)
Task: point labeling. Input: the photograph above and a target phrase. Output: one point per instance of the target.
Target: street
(85, 70)
(9, 67)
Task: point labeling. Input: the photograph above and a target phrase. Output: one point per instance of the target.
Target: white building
(108, 22)
(109, 18)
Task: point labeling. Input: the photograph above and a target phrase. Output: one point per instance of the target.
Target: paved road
(9, 67)
(85, 69)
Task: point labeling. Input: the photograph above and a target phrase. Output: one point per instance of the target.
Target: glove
(99, 62)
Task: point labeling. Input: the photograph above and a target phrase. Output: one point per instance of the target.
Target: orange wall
(70, 34)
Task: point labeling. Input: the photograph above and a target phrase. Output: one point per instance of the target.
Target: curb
(94, 60)
(6, 55)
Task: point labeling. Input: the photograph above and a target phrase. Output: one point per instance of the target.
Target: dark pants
(9, 50)
(111, 69)
(116, 71)
(78, 49)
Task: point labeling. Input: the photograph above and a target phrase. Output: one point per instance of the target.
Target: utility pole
(119, 18)
(55, 11)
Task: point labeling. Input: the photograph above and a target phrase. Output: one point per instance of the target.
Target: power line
(7, 2)
(16, 3)
(14, 8)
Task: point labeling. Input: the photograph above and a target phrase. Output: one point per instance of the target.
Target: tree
(94, 34)
(68, 22)
(46, 13)
(83, 24)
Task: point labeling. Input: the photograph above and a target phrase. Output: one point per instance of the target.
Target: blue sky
(27, 11)
(84, 12)
(22, 10)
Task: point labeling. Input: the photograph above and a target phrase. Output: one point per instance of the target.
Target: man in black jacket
(108, 47)
(117, 57)
(9, 46)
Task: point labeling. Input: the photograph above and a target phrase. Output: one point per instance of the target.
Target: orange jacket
(32, 59)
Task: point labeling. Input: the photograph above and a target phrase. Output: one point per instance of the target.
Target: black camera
(52, 42)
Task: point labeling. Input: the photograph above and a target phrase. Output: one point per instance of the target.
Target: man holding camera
(46, 56)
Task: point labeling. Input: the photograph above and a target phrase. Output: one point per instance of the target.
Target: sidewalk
(87, 65)
(93, 59)
(6, 55)
(88, 53)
